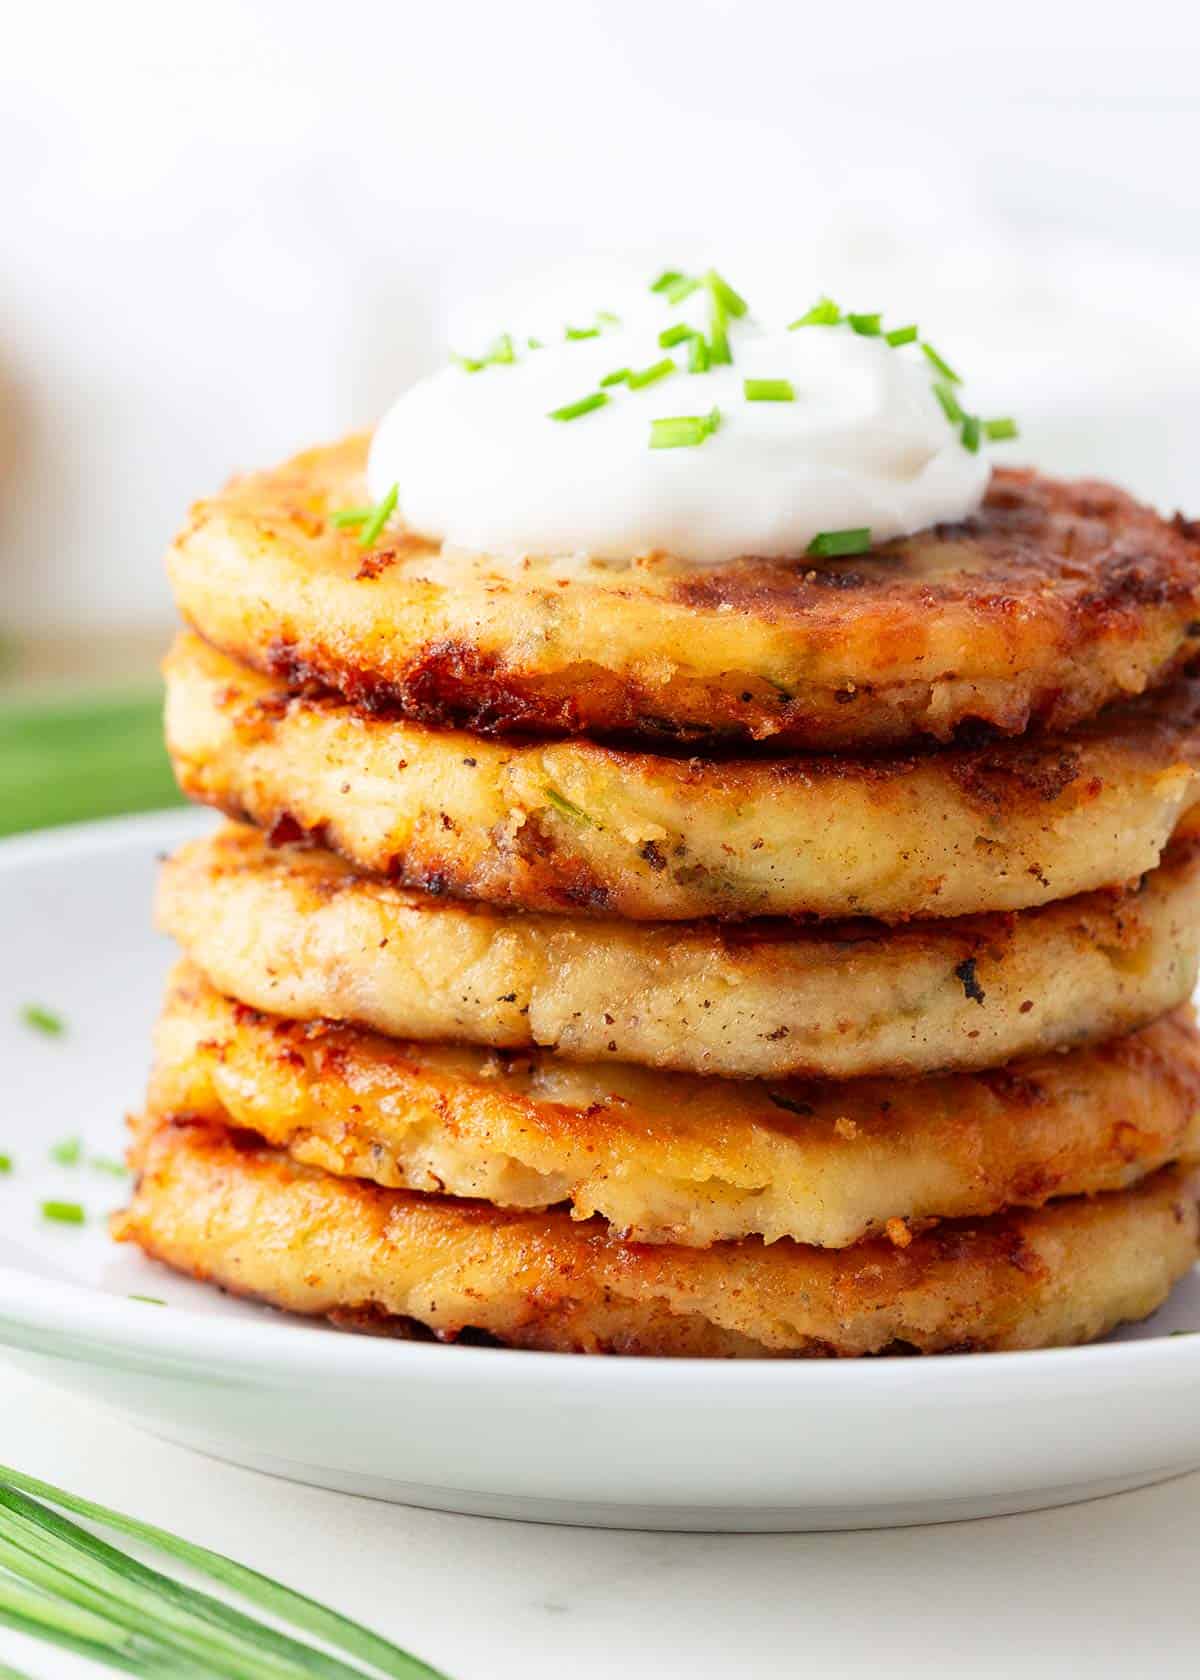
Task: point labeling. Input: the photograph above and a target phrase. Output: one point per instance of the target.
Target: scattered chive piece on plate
(6, 1163)
(345, 517)
(829, 545)
(108, 1164)
(671, 336)
(149, 1300)
(535, 344)
(868, 326)
(67, 1153)
(585, 405)
(651, 375)
(469, 364)
(260, 1590)
(667, 279)
(379, 518)
(698, 355)
(719, 353)
(970, 433)
(684, 431)
(997, 430)
(64, 1213)
(606, 318)
(943, 367)
(724, 294)
(768, 390)
(901, 335)
(43, 1020)
(945, 395)
(583, 332)
(824, 313)
(502, 350)
(566, 807)
(617, 377)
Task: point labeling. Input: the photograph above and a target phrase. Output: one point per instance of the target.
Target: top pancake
(1054, 600)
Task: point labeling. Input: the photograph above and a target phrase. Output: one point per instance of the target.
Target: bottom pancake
(224, 1208)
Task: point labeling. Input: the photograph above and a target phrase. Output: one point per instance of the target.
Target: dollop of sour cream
(480, 465)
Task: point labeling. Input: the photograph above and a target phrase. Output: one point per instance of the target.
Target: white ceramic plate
(622, 1442)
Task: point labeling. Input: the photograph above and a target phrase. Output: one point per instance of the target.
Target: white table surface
(1106, 1588)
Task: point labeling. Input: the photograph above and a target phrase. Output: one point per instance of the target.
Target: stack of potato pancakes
(775, 958)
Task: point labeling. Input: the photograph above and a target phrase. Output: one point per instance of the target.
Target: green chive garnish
(67, 1153)
(724, 294)
(998, 429)
(150, 1300)
(949, 402)
(901, 335)
(606, 318)
(618, 377)
(651, 375)
(6, 1164)
(719, 353)
(698, 355)
(585, 405)
(674, 285)
(583, 332)
(970, 433)
(768, 390)
(64, 1213)
(502, 350)
(345, 517)
(43, 1020)
(108, 1164)
(379, 518)
(684, 431)
(824, 313)
(469, 364)
(565, 807)
(829, 545)
(668, 278)
(868, 325)
(943, 367)
(671, 336)
(535, 344)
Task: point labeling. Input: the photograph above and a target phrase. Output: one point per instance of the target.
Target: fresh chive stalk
(671, 336)
(869, 326)
(970, 433)
(64, 1213)
(617, 377)
(950, 405)
(68, 1152)
(582, 332)
(901, 335)
(997, 430)
(566, 807)
(380, 515)
(43, 1020)
(698, 354)
(585, 405)
(831, 545)
(346, 518)
(684, 431)
(295, 1608)
(939, 362)
(642, 377)
(768, 390)
(6, 1163)
(824, 313)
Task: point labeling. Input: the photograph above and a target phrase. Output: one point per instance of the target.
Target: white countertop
(1106, 1588)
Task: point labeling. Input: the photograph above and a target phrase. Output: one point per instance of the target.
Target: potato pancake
(667, 1158)
(297, 932)
(220, 1207)
(571, 825)
(1053, 600)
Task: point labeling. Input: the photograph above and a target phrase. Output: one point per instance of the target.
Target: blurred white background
(232, 229)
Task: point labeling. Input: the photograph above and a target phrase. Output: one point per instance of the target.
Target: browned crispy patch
(1055, 599)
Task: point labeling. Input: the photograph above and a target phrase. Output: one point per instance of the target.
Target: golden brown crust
(256, 1223)
(298, 932)
(1056, 599)
(574, 826)
(666, 1158)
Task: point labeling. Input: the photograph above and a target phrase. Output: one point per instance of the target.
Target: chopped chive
(684, 431)
(150, 1300)
(869, 326)
(617, 377)
(585, 405)
(829, 545)
(6, 1163)
(998, 429)
(43, 1020)
(64, 1213)
(901, 335)
(671, 336)
(565, 807)
(469, 364)
(768, 390)
(502, 349)
(719, 352)
(606, 318)
(651, 375)
(583, 332)
(943, 367)
(345, 517)
(724, 294)
(698, 354)
(970, 433)
(683, 288)
(945, 395)
(535, 344)
(668, 278)
(824, 313)
(379, 518)
(68, 1152)
(110, 1164)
